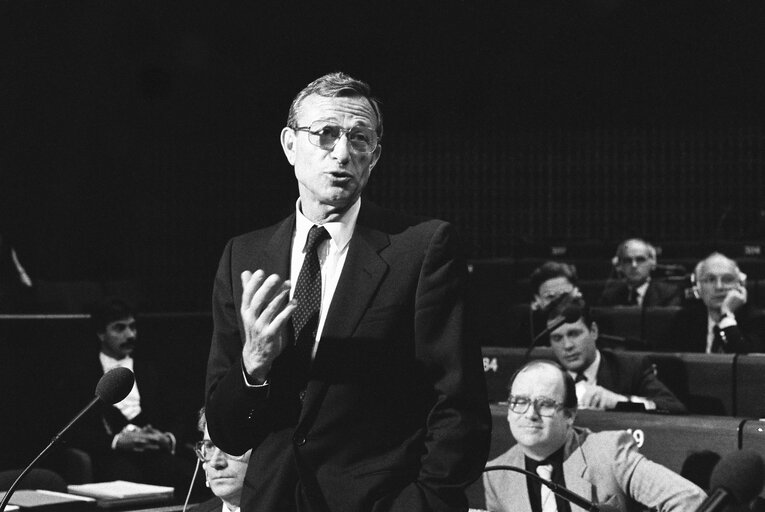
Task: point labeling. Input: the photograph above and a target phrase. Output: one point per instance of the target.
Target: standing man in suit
(140, 438)
(605, 378)
(634, 261)
(719, 321)
(337, 351)
(604, 467)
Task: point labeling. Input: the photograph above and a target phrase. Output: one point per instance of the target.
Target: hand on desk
(598, 397)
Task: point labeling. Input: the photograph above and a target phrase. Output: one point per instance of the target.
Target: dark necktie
(632, 297)
(305, 318)
(580, 377)
(717, 342)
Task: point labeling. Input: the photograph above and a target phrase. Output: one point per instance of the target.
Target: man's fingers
(251, 282)
(275, 306)
(265, 294)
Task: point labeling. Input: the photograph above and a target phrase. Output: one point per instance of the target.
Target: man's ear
(288, 139)
(375, 156)
(594, 329)
(101, 336)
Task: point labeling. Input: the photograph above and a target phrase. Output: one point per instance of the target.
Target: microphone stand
(559, 490)
(45, 451)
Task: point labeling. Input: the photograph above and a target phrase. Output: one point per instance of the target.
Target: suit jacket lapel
(276, 256)
(361, 276)
(575, 470)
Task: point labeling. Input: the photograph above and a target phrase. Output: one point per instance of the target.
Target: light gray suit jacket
(604, 467)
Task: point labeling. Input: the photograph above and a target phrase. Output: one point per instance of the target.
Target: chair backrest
(35, 479)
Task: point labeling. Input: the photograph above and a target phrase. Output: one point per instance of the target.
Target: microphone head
(115, 385)
(741, 473)
(571, 314)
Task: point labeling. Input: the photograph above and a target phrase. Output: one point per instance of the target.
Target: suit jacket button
(299, 440)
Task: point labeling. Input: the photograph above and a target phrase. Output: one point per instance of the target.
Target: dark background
(137, 137)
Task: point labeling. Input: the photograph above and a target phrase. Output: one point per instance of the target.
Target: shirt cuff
(247, 381)
(727, 321)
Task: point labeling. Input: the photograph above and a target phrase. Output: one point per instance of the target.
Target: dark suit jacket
(629, 374)
(97, 429)
(689, 331)
(395, 415)
(214, 504)
(659, 293)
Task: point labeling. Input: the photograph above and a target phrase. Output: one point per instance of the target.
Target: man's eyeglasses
(638, 260)
(723, 280)
(325, 135)
(543, 406)
(205, 450)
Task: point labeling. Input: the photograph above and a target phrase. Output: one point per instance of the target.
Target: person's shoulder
(507, 457)
(606, 443)
(394, 221)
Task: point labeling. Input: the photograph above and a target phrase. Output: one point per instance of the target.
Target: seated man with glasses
(605, 467)
(718, 320)
(634, 262)
(224, 473)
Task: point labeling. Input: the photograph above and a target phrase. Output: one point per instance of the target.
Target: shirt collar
(640, 290)
(591, 372)
(107, 362)
(340, 230)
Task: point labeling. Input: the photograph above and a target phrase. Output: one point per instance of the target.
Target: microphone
(569, 315)
(111, 388)
(736, 479)
(559, 490)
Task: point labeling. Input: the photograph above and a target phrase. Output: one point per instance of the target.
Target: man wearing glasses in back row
(605, 467)
(337, 351)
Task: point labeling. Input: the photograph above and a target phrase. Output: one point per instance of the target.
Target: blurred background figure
(719, 320)
(15, 283)
(634, 263)
(141, 438)
(548, 282)
(224, 473)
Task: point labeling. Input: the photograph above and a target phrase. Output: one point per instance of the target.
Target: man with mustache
(137, 438)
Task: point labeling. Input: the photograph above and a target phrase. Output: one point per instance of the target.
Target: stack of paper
(120, 493)
(49, 501)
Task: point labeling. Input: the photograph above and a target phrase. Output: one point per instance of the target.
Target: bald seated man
(634, 262)
(605, 467)
(719, 319)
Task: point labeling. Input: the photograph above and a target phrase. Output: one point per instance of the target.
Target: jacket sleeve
(230, 405)
(652, 388)
(649, 483)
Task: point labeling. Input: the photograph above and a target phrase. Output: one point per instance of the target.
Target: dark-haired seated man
(605, 378)
(604, 467)
(136, 439)
(720, 321)
(634, 262)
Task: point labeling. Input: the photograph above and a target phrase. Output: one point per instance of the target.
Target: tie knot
(545, 471)
(580, 376)
(316, 235)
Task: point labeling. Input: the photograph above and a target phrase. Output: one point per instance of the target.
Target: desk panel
(750, 386)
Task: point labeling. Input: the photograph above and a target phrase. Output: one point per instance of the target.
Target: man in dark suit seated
(137, 439)
(604, 467)
(634, 262)
(718, 319)
(605, 379)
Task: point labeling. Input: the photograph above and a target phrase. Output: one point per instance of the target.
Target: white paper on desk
(118, 489)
